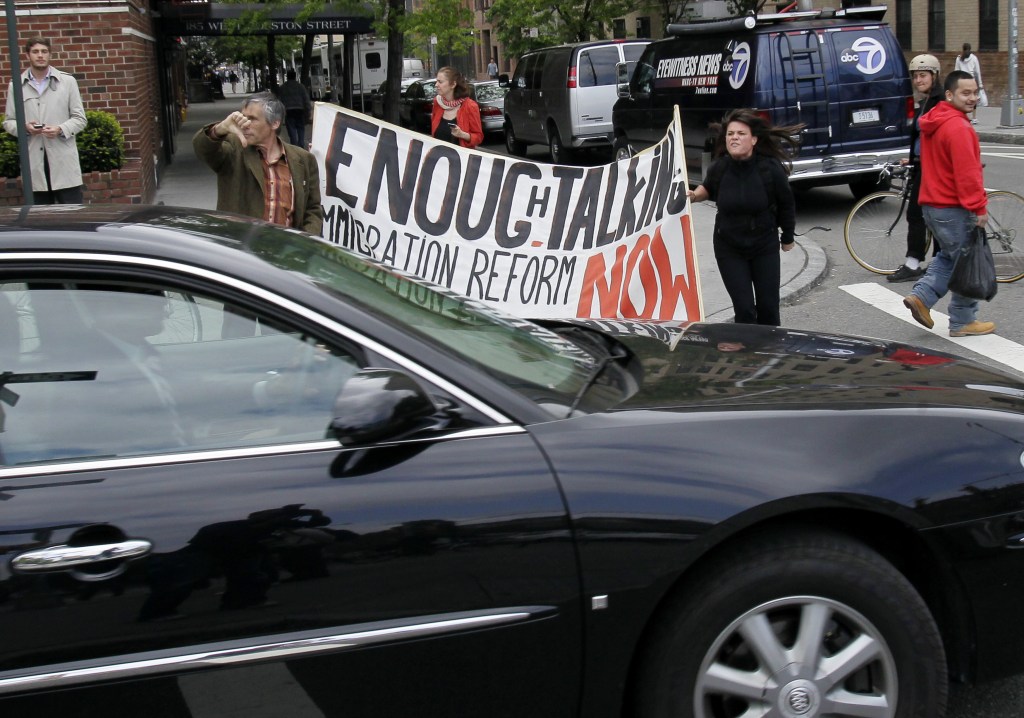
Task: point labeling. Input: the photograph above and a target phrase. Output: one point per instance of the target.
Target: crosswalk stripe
(992, 346)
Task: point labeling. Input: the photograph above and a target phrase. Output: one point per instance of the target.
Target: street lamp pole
(1013, 108)
(19, 103)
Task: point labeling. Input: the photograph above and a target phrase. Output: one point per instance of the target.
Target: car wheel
(512, 144)
(621, 149)
(560, 154)
(794, 624)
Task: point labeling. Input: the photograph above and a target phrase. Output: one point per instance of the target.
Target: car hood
(687, 366)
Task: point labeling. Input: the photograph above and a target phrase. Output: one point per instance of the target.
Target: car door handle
(59, 558)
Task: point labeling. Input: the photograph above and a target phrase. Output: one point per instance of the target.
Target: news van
(841, 73)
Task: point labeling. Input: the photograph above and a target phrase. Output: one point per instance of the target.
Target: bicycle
(876, 238)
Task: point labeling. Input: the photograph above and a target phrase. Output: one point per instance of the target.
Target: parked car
(239, 460)
(562, 96)
(490, 96)
(839, 73)
(415, 107)
(378, 95)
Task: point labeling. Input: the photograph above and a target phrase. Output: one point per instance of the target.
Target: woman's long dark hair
(455, 77)
(778, 142)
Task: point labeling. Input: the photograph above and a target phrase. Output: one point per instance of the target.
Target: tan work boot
(974, 329)
(919, 310)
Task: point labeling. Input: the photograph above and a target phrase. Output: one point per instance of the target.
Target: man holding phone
(53, 116)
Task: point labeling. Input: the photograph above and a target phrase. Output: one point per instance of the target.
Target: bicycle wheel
(183, 323)
(1005, 218)
(876, 232)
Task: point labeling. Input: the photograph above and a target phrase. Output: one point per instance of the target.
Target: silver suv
(563, 96)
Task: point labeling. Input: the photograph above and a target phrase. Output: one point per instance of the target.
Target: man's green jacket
(240, 179)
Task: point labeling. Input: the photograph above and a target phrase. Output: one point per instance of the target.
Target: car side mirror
(623, 70)
(380, 404)
(503, 80)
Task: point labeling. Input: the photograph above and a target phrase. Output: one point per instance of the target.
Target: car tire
(512, 143)
(621, 149)
(560, 154)
(731, 643)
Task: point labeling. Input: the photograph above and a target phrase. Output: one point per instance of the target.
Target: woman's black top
(444, 131)
(749, 212)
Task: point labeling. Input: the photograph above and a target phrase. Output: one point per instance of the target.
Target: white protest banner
(538, 240)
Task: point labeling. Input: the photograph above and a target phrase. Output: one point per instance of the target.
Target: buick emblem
(799, 700)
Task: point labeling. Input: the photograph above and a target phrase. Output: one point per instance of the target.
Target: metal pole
(1013, 108)
(19, 102)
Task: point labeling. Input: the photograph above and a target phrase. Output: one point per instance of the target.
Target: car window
(596, 66)
(523, 355)
(633, 52)
(490, 92)
(523, 72)
(642, 80)
(113, 370)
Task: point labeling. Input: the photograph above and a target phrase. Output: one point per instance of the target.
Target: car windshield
(530, 359)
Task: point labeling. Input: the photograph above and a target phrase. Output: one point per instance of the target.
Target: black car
(379, 96)
(240, 465)
(416, 104)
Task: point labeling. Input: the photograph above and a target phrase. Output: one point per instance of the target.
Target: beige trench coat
(60, 104)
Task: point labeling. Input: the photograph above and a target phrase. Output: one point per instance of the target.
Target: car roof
(218, 241)
(588, 44)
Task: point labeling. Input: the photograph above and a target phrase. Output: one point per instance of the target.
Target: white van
(563, 96)
(412, 68)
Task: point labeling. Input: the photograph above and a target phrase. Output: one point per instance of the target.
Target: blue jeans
(952, 227)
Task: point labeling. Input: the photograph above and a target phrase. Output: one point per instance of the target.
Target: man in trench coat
(53, 116)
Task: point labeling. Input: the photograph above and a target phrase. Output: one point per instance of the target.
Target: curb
(1010, 136)
(811, 275)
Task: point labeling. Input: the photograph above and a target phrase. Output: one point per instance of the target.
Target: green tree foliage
(449, 20)
(522, 25)
(100, 146)
(738, 8)
(672, 10)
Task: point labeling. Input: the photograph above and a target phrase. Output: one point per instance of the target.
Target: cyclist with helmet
(924, 74)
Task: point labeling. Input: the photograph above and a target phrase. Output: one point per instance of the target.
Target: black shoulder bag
(974, 273)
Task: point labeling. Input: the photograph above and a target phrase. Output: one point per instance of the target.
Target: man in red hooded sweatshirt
(952, 201)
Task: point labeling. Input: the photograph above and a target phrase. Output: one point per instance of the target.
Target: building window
(937, 25)
(643, 27)
(904, 24)
(988, 29)
(619, 28)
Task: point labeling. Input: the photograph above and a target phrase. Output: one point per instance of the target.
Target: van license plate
(861, 117)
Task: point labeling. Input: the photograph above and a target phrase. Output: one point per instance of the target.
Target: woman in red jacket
(455, 116)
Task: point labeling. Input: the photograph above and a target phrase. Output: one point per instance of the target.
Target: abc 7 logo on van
(738, 65)
(868, 53)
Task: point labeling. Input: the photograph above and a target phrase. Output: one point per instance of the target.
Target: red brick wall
(115, 187)
(113, 56)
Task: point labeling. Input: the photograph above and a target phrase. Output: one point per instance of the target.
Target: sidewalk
(187, 182)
